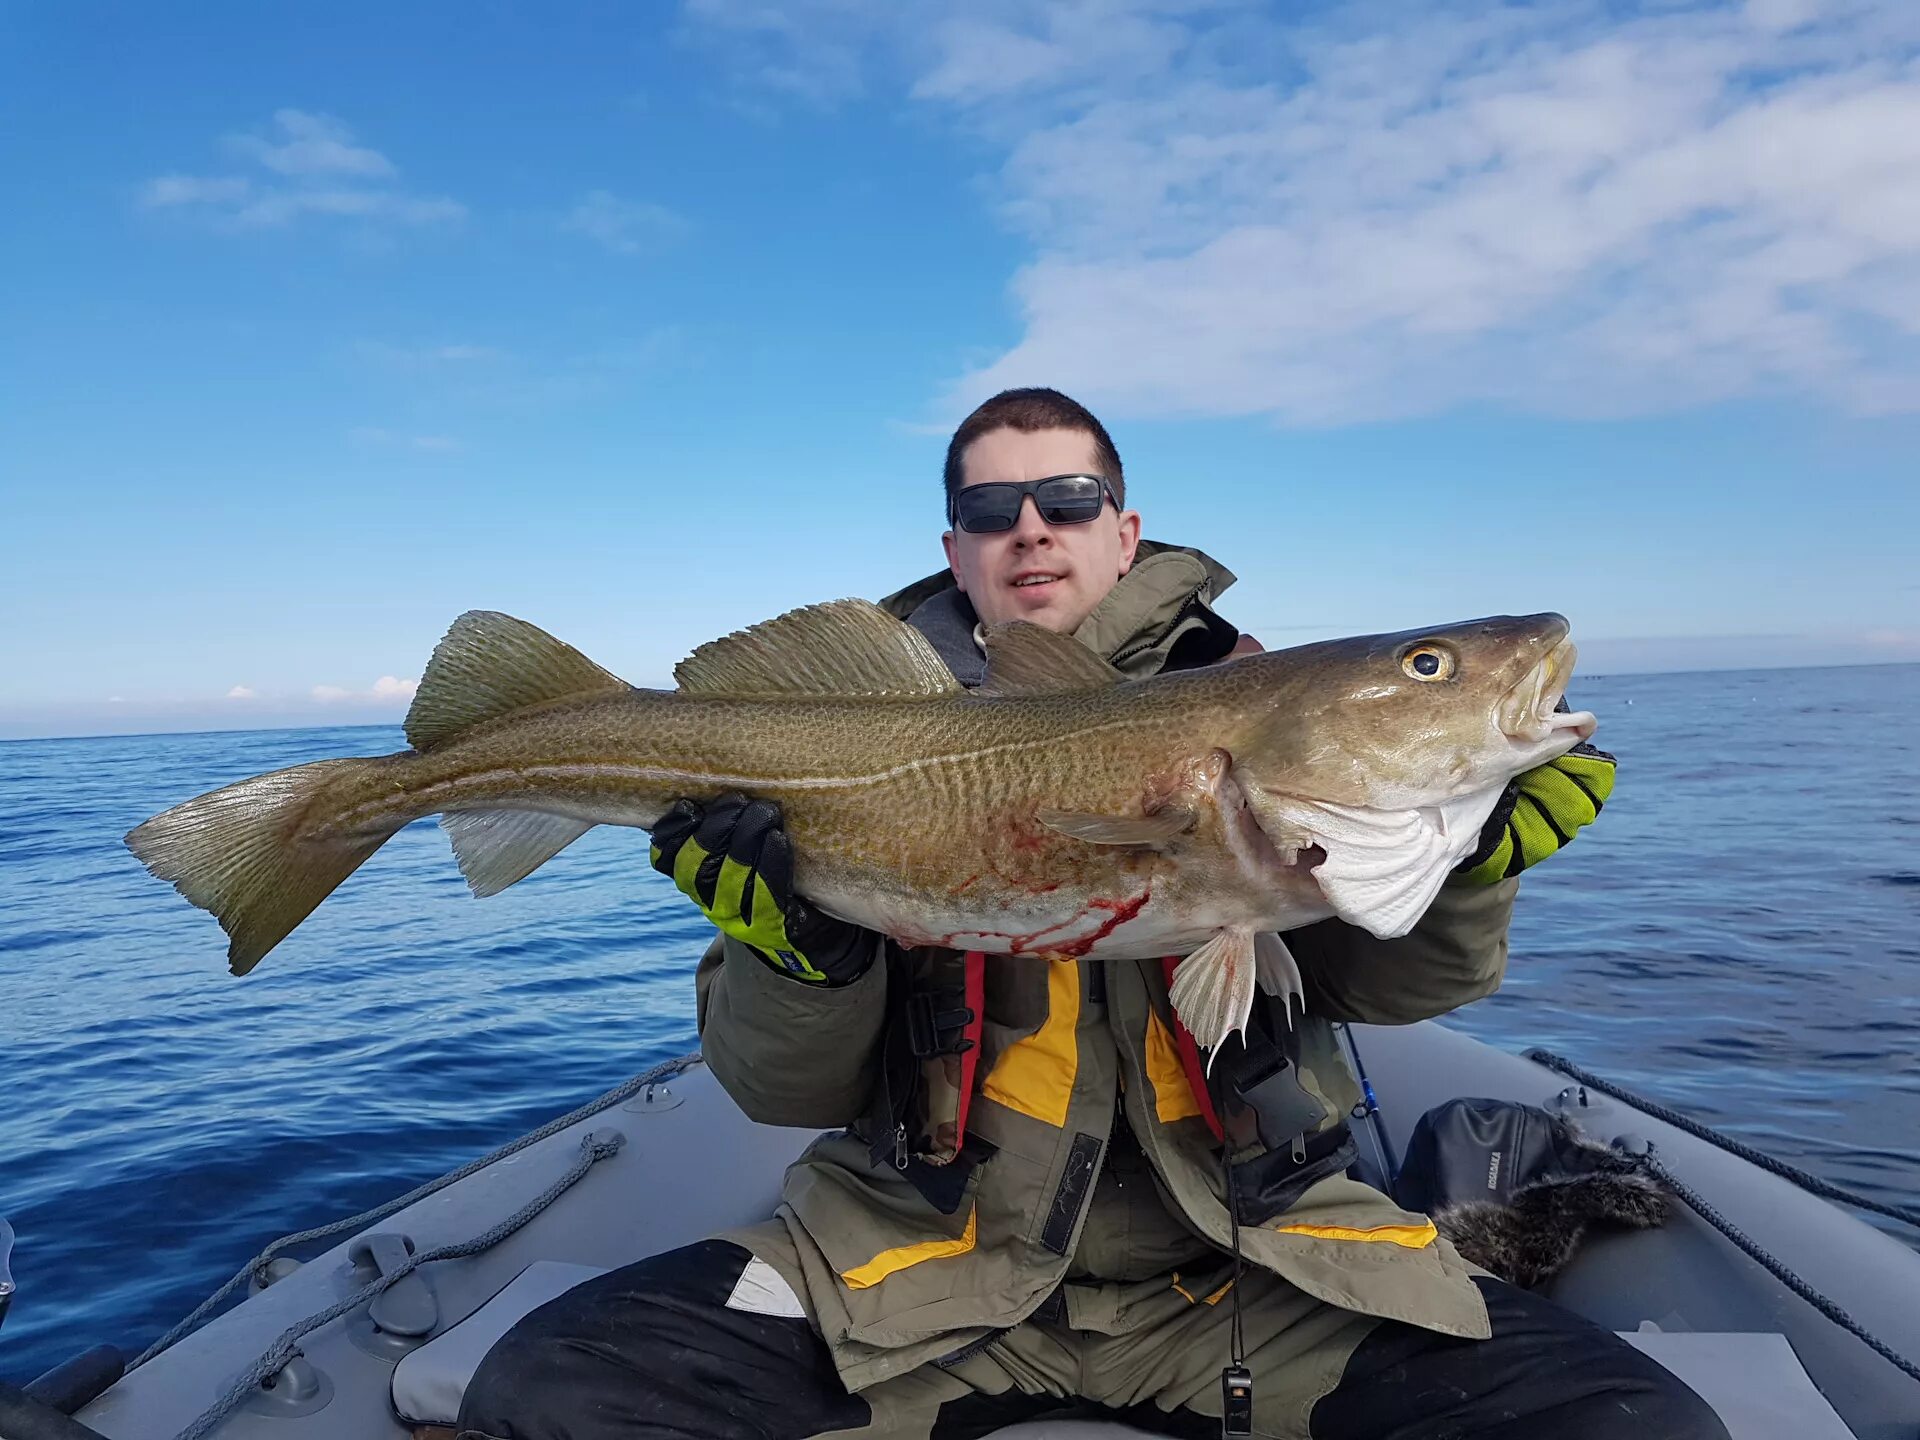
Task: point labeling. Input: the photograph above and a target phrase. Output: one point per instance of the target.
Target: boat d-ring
(654, 1096)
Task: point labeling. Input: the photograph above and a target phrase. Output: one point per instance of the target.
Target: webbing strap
(974, 982)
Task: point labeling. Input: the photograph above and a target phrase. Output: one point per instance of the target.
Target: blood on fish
(1118, 913)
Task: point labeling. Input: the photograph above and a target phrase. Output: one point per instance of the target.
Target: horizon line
(398, 720)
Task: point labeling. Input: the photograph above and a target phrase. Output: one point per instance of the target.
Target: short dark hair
(1029, 410)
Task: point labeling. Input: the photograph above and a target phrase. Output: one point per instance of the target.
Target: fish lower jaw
(1528, 713)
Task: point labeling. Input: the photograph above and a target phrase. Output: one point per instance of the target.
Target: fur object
(1530, 1239)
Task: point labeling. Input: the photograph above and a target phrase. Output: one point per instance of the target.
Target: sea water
(1738, 936)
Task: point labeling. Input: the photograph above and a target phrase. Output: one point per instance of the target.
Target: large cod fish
(1057, 810)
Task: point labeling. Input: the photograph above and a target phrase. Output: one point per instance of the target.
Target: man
(1027, 1206)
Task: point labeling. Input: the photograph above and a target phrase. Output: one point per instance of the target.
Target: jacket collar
(1165, 601)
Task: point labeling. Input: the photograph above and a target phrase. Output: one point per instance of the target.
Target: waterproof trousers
(708, 1343)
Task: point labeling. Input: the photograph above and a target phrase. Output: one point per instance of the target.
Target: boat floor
(691, 1164)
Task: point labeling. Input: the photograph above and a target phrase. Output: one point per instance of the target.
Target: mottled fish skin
(950, 818)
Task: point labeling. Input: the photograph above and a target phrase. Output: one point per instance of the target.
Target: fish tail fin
(1213, 988)
(240, 853)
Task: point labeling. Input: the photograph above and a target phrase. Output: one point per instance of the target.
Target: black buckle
(932, 1031)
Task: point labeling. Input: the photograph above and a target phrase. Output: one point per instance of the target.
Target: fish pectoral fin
(1384, 867)
(498, 848)
(841, 647)
(1028, 659)
(491, 664)
(1154, 829)
(1213, 988)
(1274, 968)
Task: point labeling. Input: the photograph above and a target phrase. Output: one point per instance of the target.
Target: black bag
(1514, 1187)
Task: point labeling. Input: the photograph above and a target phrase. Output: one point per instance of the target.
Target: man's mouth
(1035, 580)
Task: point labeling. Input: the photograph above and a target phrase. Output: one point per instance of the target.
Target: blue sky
(645, 322)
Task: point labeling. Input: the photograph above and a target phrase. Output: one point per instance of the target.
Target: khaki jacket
(894, 1279)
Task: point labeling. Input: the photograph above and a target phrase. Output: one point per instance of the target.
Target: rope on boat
(1733, 1233)
(1755, 1251)
(1805, 1180)
(287, 1346)
(257, 1266)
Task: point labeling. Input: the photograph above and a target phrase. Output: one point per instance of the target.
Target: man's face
(1052, 575)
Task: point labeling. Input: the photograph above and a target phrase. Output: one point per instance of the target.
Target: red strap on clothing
(974, 983)
(1190, 1059)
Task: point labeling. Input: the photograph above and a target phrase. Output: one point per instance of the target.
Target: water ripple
(1735, 937)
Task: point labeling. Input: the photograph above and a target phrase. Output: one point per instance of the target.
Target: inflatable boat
(1792, 1317)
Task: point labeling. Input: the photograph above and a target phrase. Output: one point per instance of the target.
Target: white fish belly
(1158, 920)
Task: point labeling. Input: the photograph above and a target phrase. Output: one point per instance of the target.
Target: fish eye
(1428, 662)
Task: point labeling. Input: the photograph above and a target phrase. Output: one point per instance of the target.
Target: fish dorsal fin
(1028, 659)
(841, 647)
(489, 665)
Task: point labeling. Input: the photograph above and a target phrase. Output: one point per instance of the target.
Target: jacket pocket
(1272, 1183)
(872, 1224)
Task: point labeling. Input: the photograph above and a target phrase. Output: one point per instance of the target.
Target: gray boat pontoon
(336, 1346)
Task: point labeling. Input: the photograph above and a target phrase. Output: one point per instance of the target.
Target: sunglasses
(1060, 499)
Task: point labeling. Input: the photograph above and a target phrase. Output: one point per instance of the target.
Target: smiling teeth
(1035, 580)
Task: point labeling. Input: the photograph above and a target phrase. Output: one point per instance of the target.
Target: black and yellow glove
(1540, 813)
(733, 859)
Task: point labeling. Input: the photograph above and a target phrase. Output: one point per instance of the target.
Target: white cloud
(166, 190)
(626, 227)
(312, 167)
(389, 687)
(312, 145)
(1390, 210)
(241, 692)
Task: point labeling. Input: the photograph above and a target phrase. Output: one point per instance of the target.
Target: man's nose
(1029, 528)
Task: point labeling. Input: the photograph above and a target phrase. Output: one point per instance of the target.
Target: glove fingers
(1592, 770)
(1535, 834)
(774, 871)
(1495, 865)
(697, 870)
(672, 832)
(759, 820)
(1565, 802)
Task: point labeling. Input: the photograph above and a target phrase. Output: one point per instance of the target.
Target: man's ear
(947, 544)
(1129, 538)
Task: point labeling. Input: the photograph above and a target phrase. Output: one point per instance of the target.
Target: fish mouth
(1529, 712)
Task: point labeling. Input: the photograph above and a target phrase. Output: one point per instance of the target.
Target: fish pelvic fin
(1274, 968)
(240, 854)
(841, 647)
(488, 665)
(1213, 989)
